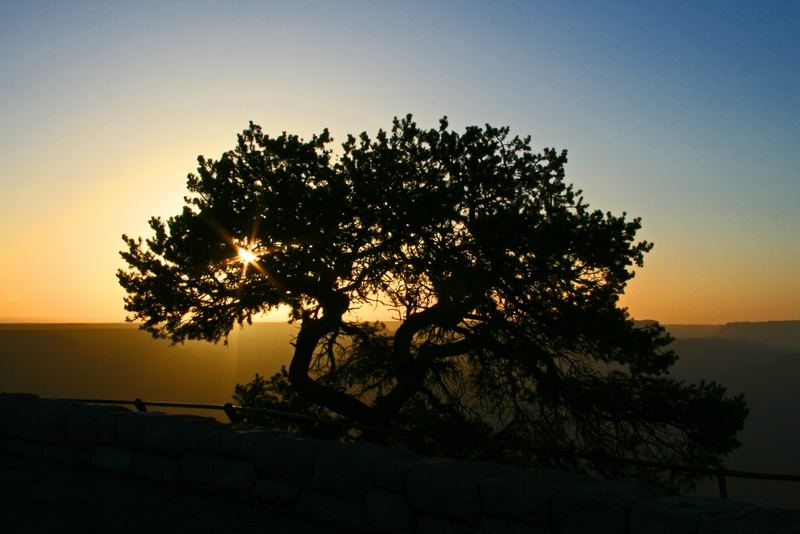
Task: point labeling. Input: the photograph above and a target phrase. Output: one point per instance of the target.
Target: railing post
(723, 484)
(231, 412)
(139, 403)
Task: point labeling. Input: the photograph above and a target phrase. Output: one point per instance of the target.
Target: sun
(246, 256)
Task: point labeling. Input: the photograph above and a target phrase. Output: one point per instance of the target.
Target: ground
(38, 496)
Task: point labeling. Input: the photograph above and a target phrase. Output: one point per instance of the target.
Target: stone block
(287, 458)
(339, 470)
(391, 474)
(750, 519)
(55, 419)
(498, 525)
(381, 453)
(337, 514)
(130, 430)
(203, 437)
(600, 507)
(23, 447)
(81, 430)
(45, 420)
(107, 417)
(8, 444)
(240, 444)
(232, 475)
(187, 432)
(276, 492)
(188, 419)
(29, 426)
(527, 496)
(112, 459)
(677, 514)
(448, 488)
(436, 525)
(388, 512)
(194, 468)
(10, 404)
(156, 467)
(163, 435)
(66, 455)
(349, 470)
(8, 420)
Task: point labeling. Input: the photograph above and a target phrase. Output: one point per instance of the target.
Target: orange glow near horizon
(668, 121)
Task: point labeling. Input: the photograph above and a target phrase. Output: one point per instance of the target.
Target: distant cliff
(778, 334)
(783, 334)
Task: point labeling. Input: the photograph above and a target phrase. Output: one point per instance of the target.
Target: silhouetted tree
(504, 284)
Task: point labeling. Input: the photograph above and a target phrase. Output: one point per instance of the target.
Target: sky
(686, 114)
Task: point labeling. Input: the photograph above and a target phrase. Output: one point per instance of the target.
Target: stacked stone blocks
(358, 487)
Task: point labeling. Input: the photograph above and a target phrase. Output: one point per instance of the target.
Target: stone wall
(358, 487)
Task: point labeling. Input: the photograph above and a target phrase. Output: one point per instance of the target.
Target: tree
(504, 283)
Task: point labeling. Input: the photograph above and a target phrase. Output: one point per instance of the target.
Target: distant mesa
(783, 334)
(685, 331)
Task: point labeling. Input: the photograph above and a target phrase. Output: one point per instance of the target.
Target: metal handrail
(232, 412)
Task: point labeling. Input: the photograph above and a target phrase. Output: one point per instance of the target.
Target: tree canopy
(503, 282)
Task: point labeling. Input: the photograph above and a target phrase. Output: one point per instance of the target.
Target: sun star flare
(246, 256)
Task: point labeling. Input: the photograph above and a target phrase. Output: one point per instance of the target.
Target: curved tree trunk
(339, 402)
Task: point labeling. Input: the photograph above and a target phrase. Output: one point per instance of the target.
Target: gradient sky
(686, 114)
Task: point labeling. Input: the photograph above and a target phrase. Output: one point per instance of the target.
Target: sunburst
(246, 256)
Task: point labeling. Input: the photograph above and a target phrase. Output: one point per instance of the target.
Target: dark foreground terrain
(761, 360)
(38, 496)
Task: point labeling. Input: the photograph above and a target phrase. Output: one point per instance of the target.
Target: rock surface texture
(356, 487)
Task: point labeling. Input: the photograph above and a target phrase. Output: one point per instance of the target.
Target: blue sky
(683, 113)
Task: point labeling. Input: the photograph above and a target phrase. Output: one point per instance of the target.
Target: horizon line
(58, 322)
